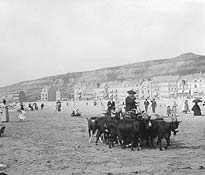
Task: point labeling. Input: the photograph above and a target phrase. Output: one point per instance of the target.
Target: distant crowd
(129, 104)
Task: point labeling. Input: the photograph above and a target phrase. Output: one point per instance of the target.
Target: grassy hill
(184, 64)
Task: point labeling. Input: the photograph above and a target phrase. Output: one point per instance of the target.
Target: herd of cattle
(132, 131)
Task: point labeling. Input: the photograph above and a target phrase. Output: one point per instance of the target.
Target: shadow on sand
(180, 145)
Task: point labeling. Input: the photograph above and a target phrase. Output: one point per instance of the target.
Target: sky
(41, 38)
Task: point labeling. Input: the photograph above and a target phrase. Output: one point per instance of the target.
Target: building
(48, 94)
(116, 92)
(78, 93)
(155, 89)
(192, 85)
(183, 87)
(164, 87)
(18, 96)
(58, 95)
(62, 95)
(44, 94)
(197, 85)
(144, 89)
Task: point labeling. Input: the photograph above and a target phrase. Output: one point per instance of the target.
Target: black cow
(162, 129)
(111, 132)
(131, 131)
(2, 128)
(101, 127)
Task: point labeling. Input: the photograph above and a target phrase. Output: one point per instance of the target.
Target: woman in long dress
(21, 112)
(4, 112)
(174, 109)
(185, 107)
(196, 109)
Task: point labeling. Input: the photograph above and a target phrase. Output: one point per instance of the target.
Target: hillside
(184, 64)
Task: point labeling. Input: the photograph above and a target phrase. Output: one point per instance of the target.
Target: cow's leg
(167, 141)
(110, 141)
(132, 144)
(90, 135)
(89, 132)
(139, 145)
(120, 141)
(168, 138)
(101, 139)
(147, 142)
(160, 143)
(98, 136)
(106, 137)
(152, 142)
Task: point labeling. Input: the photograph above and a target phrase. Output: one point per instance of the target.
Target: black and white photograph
(102, 87)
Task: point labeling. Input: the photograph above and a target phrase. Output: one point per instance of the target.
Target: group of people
(130, 104)
(21, 114)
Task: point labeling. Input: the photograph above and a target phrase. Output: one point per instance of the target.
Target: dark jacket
(130, 103)
(196, 109)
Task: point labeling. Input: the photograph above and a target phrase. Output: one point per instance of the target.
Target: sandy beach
(50, 143)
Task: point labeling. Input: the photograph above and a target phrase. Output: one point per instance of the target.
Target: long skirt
(5, 115)
(22, 115)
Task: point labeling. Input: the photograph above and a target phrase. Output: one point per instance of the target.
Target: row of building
(54, 94)
(158, 87)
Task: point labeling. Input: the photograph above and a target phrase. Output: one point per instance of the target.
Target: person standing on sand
(146, 104)
(185, 108)
(21, 112)
(174, 109)
(4, 112)
(169, 111)
(196, 109)
(154, 105)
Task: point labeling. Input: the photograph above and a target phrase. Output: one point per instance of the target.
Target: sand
(51, 143)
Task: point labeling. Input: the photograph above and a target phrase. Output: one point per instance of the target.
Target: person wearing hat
(196, 109)
(130, 101)
(4, 112)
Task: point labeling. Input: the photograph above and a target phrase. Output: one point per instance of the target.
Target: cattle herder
(130, 101)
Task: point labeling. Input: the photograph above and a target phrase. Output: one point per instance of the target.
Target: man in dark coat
(196, 109)
(146, 104)
(130, 101)
(154, 105)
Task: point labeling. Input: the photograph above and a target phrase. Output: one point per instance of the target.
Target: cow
(2, 128)
(162, 130)
(101, 127)
(131, 131)
(111, 132)
(91, 127)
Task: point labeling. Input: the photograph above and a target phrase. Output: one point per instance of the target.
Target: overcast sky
(39, 38)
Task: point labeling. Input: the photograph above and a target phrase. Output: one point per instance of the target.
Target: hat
(131, 92)
(197, 100)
